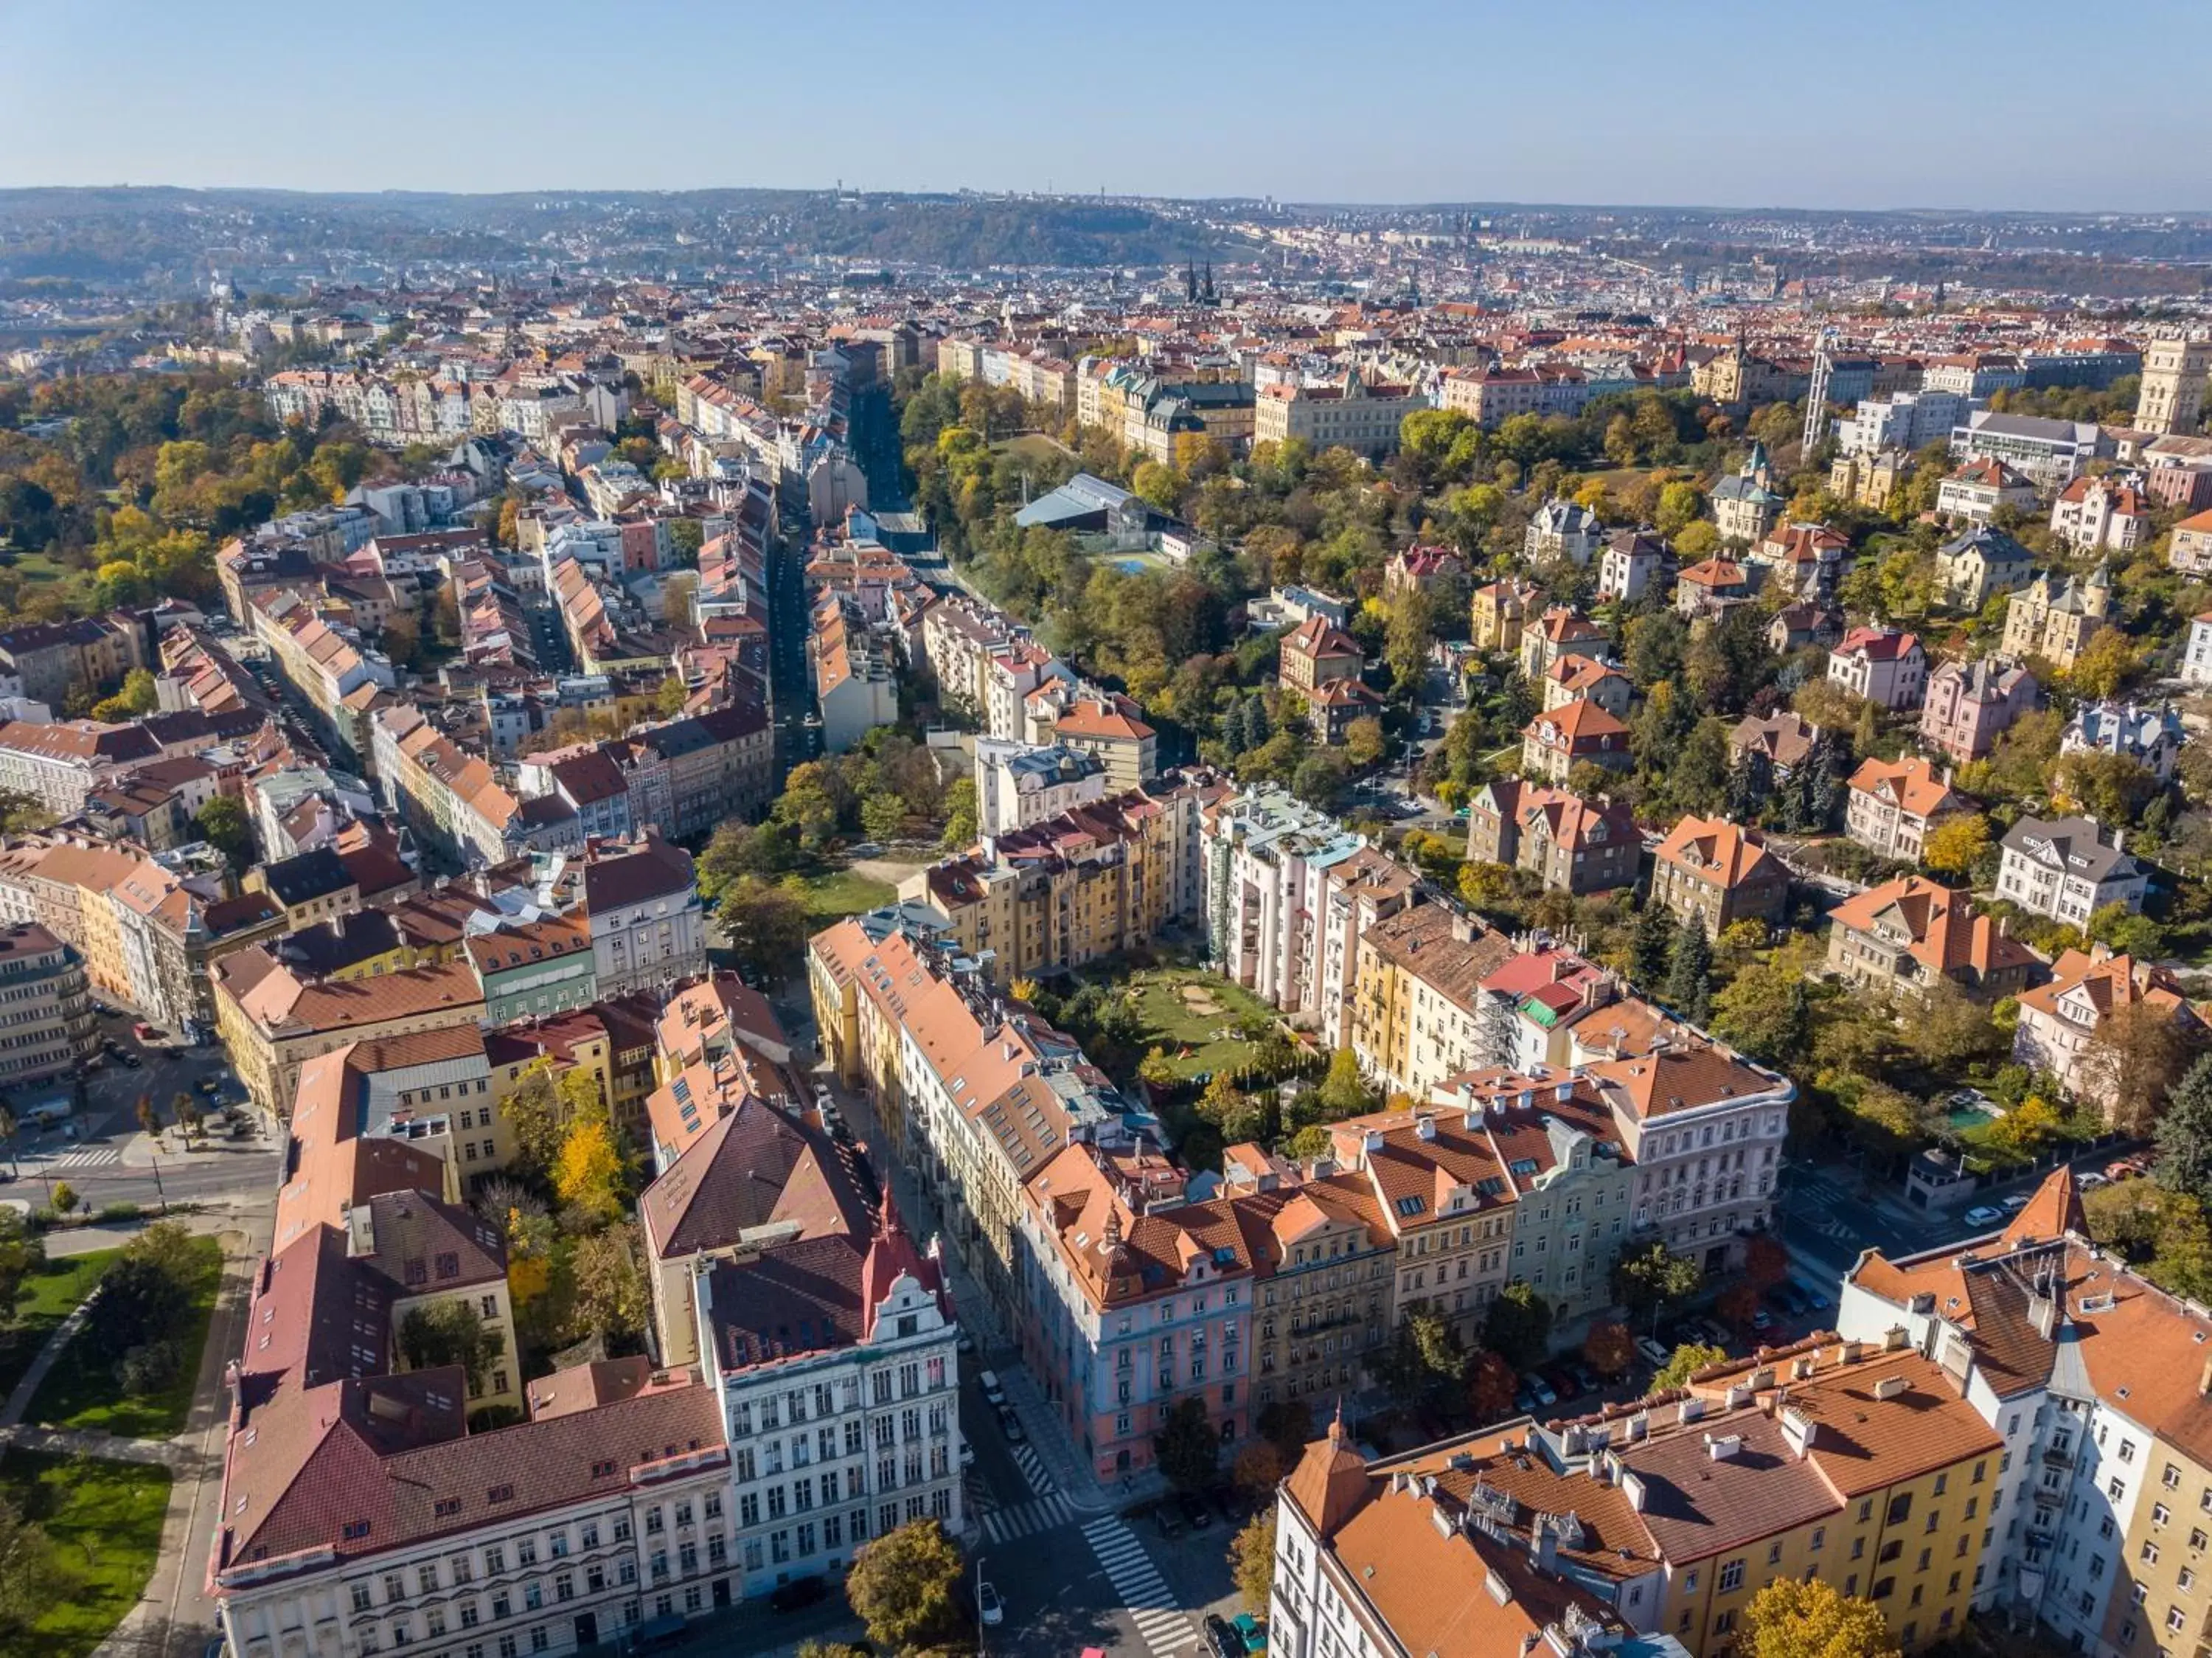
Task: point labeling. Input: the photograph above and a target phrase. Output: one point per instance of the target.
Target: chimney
(1425, 1127)
(2204, 1380)
(1890, 1386)
(1372, 1140)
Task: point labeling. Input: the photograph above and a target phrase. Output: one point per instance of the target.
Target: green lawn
(1172, 1022)
(49, 1294)
(842, 892)
(36, 567)
(104, 1520)
(1034, 448)
(85, 1396)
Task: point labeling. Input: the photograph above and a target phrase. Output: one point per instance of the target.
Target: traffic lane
(995, 1453)
(1058, 1598)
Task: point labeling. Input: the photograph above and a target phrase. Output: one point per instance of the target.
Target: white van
(992, 1392)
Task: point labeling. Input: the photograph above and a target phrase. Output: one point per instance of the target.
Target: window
(1731, 1577)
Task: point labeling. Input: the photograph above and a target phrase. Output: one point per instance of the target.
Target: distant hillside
(163, 235)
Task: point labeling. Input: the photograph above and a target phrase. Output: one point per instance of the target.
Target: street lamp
(979, 1605)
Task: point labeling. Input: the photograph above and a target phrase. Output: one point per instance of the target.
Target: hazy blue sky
(1872, 104)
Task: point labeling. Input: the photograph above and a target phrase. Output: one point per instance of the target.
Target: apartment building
(1744, 506)
(2100, 514)
(1649, 1527)
(833, 1357)
(2061, 867)
(2055, 620)
(640, 905)
(49, 659)
(2189, 549)
(1353, 414)
(1571, 679)
(1979, 489)
(854, 687)
(1098, 723)
(2152, 736)
(1561, 529)
(271, 1021)
(1324, 1259)
(46, 1005)
(2093, 1381)
(61, 764)
(1631, 562)
(1569, 843)
(341, 681)
(1720, 874)
(1268, 857)
(1560, 631)
(1491, 397)
(2197, 657)
(1886, 667)
(1703, 1126)
(1970, 704)
(1893, 805)
(2059, 1020)
(1315, 654)
(1132, 1308)
(1418, 1012)
(1496, 614)
(1901, 937)
(1579, 733)
(1974, 567)
(1069, 889)
(1018, 784)
(708, 768)
(960, 636)
(455, 802)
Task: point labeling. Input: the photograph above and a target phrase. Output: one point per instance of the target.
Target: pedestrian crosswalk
(90, 1157)
(1033, 1470)
(1042, 1514)
(1144, 1594)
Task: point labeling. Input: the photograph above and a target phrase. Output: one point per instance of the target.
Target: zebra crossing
(1042, 1514)
(90, 1157)
(1033, 1470)
(1144, 1594)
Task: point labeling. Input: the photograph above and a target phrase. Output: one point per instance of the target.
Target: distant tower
(1189, 283)
(1816, 395)
(1205, 294)
(2172, 396)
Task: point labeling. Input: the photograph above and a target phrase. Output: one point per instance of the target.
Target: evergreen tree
(1257, 727)
(1751, 780)
(1233, 737)
(1651, 946)
(2185, 1134)
(1689, 972)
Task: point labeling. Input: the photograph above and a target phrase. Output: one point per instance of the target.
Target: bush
(148, 1369)
(112, 1213)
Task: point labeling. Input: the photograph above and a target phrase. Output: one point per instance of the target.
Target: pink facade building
(1969, 704)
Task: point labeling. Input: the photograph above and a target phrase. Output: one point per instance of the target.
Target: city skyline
(1591, 102)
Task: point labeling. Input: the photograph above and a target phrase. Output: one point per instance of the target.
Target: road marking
(1042, 1514)
(1144, 1594)
(94, 1157)
(1033, 1471)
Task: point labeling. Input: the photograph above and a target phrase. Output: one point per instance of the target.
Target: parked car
(989, 1383)
(1194, 1510)
(967, 1453)
(799, 1592)
(2091, 1181)
(1650, 1351)
(1982, 1215)
(2124, 1168)
(1224, 1641)
(988, 1606)
(966, 1343)
(1010, 1425)
(1164, 1516)
(1540, 1390)
(1585, 1378)
(144, 1031)
(2014, 1204)
(1253, 1633)
(1562, 1382)
(1761, 1318)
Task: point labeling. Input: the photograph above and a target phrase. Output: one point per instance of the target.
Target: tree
(1689, 971)
(1518, 1326)
(224, 826)
(1424, 1359)
(1252, 1559)
(1688, 1359)
(901, 1585)
(588, 1173)
(1954, 846)
(2183, 1132)
(961, 822)
(31, 1579)
(1362, 741)
(1187, 1448)
(1491, 1386)
(534, 1111)
(883, 814)
(19, 1253)
(1654, 1278)
(145, 1295)
(766, 925)
(149, 1115)
(669, 699)
(1258, 1468)
(2138, 1053)
(1766, 1261)
(64, 1196)
(1344, 1092)
(610, 1296)
(1808, 1618)
(1737, 1305)
(450, 1332)
(675, 599)
(1651, 946)
(1609, 1349)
